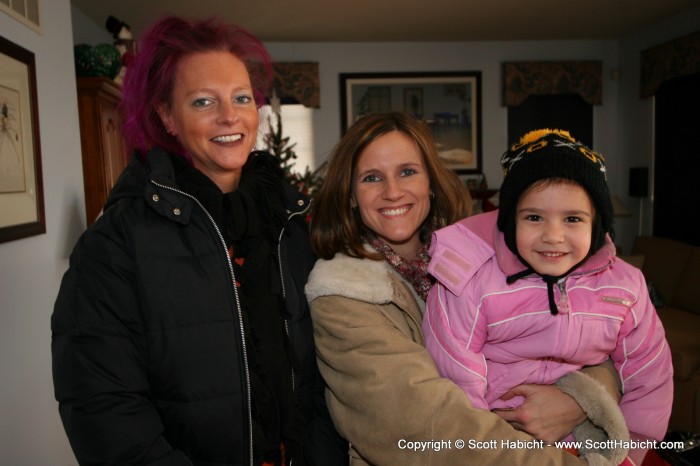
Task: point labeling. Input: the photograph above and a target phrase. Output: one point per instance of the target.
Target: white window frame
(11, 7)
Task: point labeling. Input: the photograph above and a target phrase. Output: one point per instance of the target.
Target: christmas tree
(278, 145)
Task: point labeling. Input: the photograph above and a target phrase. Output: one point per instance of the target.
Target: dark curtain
(677, 159)
(568, 112)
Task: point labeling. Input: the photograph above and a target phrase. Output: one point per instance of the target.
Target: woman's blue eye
(243, 99)
(371, 179)
(200, 102)
(408, 172)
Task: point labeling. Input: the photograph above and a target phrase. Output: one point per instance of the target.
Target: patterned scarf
(414, 271)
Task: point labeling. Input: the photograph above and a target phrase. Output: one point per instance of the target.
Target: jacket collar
(154, 177)
(367, 280)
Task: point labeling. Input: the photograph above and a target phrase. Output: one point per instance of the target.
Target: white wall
(623, 124)
(30, 430)
(487, 57)
(86, 31)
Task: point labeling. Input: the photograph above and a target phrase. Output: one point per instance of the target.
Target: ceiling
(406, 20)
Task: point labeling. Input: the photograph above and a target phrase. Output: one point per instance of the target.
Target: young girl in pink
(533, 292)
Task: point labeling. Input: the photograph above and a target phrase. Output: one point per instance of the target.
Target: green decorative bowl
(100, 60)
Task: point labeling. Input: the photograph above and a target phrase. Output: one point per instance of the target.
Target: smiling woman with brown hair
(384, 193)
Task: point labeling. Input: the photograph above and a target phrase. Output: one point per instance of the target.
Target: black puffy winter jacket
(149, 362)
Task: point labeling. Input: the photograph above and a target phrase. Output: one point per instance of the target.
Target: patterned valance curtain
(298, 82)
(679, 57)
(523, 79)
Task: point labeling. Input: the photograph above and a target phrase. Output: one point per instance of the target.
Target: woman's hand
(547, 414)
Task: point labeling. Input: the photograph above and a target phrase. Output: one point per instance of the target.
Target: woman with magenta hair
(181, 334)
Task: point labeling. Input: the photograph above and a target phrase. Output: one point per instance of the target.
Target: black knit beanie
(548, 153)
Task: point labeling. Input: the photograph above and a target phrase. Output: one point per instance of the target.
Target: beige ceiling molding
(673, 59)
(523, 79)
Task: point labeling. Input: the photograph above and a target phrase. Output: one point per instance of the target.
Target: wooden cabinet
(104, 150)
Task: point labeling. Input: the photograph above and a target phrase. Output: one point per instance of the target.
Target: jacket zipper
(238, 309)
(564, 293)
(563, 296)
(284, 289)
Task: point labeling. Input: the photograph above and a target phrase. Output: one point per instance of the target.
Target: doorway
(677, 159)
(568, 112)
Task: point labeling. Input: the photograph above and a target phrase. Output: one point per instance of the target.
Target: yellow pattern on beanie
(534, 135)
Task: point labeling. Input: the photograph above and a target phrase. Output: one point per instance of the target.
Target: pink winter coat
(488, 336)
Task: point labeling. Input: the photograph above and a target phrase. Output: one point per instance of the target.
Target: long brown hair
(337, 227)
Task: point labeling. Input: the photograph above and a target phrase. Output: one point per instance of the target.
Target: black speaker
(639, 182)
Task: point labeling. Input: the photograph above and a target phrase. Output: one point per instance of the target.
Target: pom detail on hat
(533, 136)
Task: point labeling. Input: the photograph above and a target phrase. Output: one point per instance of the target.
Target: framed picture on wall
(448, 102)
(21, 188)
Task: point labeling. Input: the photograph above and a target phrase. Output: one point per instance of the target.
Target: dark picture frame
(448, 102)
(21, 185)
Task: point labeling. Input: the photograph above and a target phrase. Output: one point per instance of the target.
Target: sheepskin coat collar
(371, 281)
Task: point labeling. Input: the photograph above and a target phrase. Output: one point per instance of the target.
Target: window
(297, 125)
(25, 11)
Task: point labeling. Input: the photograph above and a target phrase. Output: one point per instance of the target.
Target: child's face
(554, 225)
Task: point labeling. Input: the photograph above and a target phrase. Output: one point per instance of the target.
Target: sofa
(672, 271)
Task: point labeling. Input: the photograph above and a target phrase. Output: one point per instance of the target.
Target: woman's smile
(392, 191)
(395, 211)
(228, 139)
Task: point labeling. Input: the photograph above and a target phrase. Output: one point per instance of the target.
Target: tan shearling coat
(384, 392)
